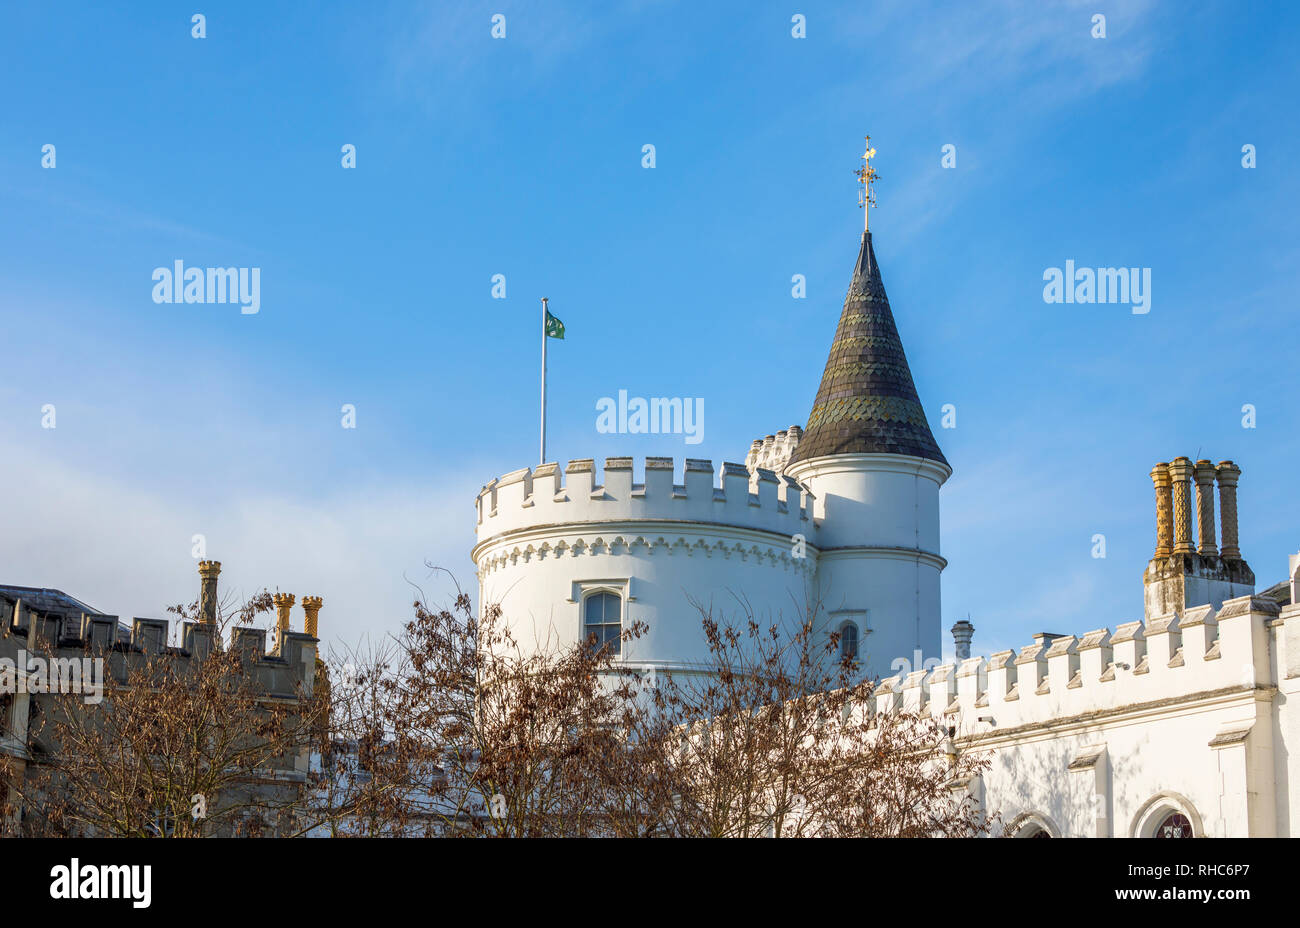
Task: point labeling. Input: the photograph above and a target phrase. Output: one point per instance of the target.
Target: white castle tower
(841, 519)
(870, 461)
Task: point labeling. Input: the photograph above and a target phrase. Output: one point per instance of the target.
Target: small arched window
(602, 617)
(849, 641)
(1175, 825)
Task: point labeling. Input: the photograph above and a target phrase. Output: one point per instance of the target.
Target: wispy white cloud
(1046, 50)
(1002, 512)
(438, 53)
(125, 548)
(990, 71)
(97, 212)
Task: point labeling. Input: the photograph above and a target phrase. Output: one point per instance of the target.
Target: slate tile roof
(47, 601)
(867, 402)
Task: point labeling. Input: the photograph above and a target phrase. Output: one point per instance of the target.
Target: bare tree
(460, 731)
(183, 744)
(779, 738)
(453, 729)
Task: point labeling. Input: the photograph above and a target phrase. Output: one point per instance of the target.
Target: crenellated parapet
(544, 497)
(63, 661)
(1139, 667)
(774, 452)
(284, 667)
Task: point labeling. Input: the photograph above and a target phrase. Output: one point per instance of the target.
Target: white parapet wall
(529, 497)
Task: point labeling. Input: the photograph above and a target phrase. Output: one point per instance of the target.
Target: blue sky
(522, 156)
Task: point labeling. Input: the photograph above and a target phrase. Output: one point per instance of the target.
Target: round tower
(570, 556)
(868, 457)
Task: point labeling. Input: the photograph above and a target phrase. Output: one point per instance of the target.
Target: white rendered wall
(886, 500)
(1152, 764)
(656, 569)
(1287, 733)
(894, 599)
(879, 544)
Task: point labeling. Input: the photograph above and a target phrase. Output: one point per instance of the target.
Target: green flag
(554, 327)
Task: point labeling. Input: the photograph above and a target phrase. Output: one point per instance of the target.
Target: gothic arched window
(602, 618)
(849, 641)
(1175, 825)
(1032, 825)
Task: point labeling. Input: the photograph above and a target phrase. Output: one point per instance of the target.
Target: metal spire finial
(866, 175)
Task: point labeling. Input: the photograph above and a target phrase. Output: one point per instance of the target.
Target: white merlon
(1048, 681)
(525, 499)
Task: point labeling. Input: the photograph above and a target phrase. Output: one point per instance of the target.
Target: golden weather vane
(866, 175)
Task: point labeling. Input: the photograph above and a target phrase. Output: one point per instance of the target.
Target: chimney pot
(1228, 474)
(1181, 472)
(311, 606)
(1164, 510)
(283, 605)
(208, 573)
(962, 633)
(1204, 475)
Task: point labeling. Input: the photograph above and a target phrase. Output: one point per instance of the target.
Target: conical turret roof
(867, 402)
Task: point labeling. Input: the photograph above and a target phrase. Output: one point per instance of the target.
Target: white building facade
(1177, 726)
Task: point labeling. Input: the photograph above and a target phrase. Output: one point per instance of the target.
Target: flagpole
(542, 456)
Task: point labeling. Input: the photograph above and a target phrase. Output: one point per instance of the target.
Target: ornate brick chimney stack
(1181, 473)
(1164, 510)
(1228, 474)
(1189, 570)
(311, 606)
(1204, 473)
(208, 571)
(283, 606)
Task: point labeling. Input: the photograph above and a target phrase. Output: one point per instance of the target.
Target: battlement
(773, 452)
(542, 497)
(286, 668)
(1138, 668)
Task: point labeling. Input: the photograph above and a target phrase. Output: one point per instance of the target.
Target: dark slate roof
(47, 602)
(1279, 592)
(867, 403)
